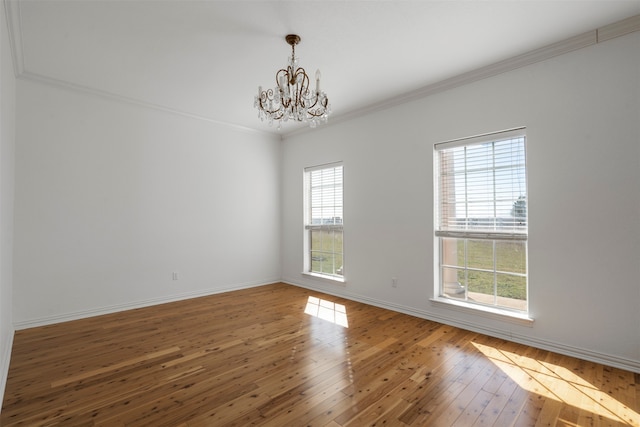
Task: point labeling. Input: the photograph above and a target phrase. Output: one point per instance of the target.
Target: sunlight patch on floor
(559, 383)
(327, 310)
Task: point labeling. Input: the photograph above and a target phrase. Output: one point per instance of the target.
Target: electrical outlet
(394, 282)
(175, 275)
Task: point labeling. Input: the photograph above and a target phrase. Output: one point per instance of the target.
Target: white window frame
(452, 228)
(336, 225)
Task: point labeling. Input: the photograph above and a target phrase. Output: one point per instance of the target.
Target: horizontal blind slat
(480, 235)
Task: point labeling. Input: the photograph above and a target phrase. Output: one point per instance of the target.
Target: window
(323, 221)
(481, 220)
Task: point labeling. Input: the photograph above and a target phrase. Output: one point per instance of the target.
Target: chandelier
(292, 99)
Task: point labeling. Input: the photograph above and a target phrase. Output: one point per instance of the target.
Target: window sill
(490, 312)
(338, 279)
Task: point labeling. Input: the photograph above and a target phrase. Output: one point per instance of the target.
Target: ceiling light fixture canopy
(292, 99)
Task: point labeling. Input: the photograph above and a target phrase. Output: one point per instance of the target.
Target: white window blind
(324, 220)
(481, 187)
(325, 195)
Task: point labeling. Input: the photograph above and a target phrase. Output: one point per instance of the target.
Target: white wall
(112, 198)
(7, 145)
(582, 113)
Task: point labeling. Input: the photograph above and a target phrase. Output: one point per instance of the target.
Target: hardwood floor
(254, 357)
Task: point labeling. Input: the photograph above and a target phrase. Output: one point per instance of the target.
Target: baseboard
(560, 348)
(83, 314)
(6, 361)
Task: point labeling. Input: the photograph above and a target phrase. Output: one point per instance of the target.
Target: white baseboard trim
(83, 314)
(6, 361)
(560, 348)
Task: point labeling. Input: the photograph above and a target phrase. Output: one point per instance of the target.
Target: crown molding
(618, 29)
(590, 38)
(86, 90)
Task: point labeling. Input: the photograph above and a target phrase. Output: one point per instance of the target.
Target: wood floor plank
(114, 368)
(436, 382)
(498, 399)
(253, 357)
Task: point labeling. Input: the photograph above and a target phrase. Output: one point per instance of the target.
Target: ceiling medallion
(292, 99)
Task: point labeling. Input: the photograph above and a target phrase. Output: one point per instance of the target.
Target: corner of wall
(7, 181)
(4, 363)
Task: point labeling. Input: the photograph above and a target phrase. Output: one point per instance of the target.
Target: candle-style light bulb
(318, 81)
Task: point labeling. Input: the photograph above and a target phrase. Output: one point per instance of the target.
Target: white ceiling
(207, 58)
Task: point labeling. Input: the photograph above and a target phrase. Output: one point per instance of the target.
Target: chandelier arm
(322, 109)
(313, 101)
(317, 112)
(265, 96)
(303, 86)
(281, 70)
(285, 98)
